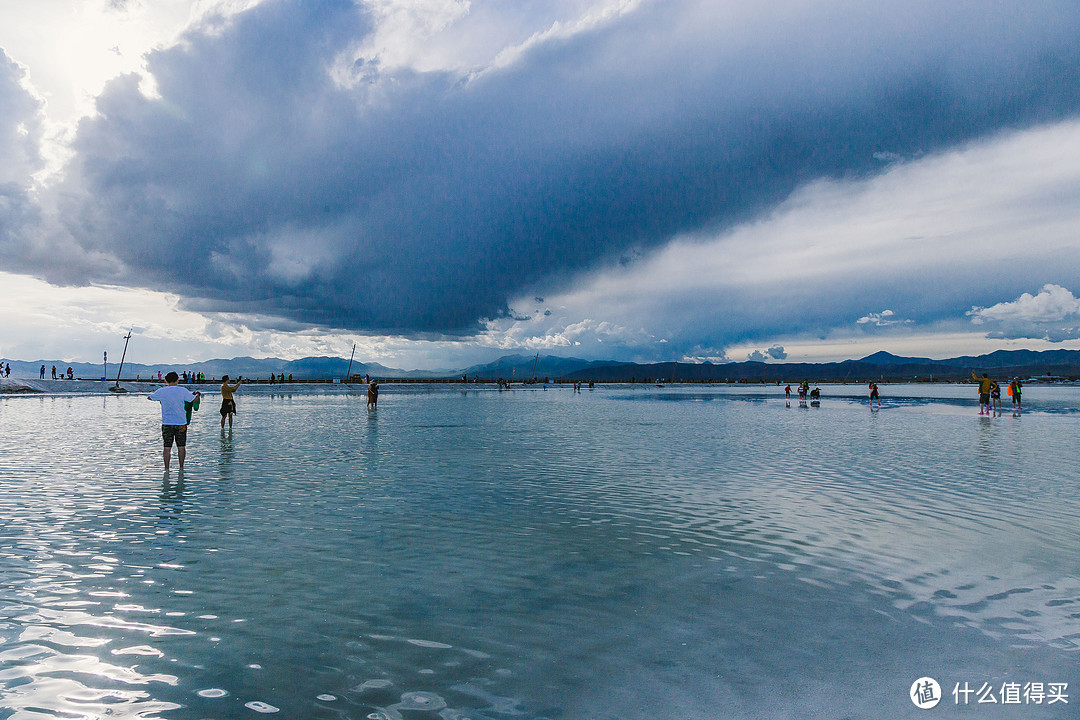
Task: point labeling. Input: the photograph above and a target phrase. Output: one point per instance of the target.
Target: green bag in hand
(193, 405)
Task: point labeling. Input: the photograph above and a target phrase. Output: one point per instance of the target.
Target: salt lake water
(627, 552)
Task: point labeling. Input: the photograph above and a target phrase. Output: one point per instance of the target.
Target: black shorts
(174, 432)
(228, 406)
(984, 398)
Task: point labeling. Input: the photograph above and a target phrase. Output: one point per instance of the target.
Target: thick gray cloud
(418, 202)
(776, 352)
(20, 137)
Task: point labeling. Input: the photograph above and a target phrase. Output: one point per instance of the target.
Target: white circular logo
(925, 693)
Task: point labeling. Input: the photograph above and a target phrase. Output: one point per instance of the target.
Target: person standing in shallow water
(985, 384)
(1015, 390)
(228, 404)
(875, 396)
(372, 395)
(173, 417)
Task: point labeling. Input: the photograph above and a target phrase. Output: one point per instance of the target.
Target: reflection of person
(372, 395)
(173, 418)
(985, 383)
(228, 404)
(1016, 388)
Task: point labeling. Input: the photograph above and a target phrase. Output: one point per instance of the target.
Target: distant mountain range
(1062, 364)
(517, 368)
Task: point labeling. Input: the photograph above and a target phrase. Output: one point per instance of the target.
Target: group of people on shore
(70, 374)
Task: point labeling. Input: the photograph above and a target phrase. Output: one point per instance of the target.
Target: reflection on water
(631, 552)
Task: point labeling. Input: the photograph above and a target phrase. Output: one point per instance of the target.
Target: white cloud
(464, 37)
(1053, 315)
(1053, 304)
(884, 318)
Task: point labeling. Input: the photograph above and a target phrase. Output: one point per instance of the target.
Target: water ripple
(503, 554)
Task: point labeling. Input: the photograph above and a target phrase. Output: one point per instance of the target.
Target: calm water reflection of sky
(626, 552)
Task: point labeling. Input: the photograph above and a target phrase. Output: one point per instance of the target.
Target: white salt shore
(30, 386)
(33, 386)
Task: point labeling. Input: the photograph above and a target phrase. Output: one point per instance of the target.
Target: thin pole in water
(122, 356)
(348, 372)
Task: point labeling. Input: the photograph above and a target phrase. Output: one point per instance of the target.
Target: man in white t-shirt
(173, 416)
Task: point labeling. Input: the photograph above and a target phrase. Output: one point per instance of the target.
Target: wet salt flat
(630, 552)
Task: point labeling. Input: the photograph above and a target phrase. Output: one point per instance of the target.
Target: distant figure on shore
(42, 372)
(173, 418)
(787, 392)
(53, 372)
(372, 395)
(874, 396)
(70, 374)
(985, 383)
(1015, 388)
(228, 404)
(159, 376)
(995, 397)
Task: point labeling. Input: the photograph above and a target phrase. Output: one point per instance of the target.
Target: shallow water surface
(462, 553)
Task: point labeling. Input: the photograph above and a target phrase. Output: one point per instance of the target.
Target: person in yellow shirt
(228, 405)
(985, 385)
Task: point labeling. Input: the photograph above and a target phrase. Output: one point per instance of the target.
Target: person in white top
(173, 417)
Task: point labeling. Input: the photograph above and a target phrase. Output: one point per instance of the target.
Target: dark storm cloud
(420, 202)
